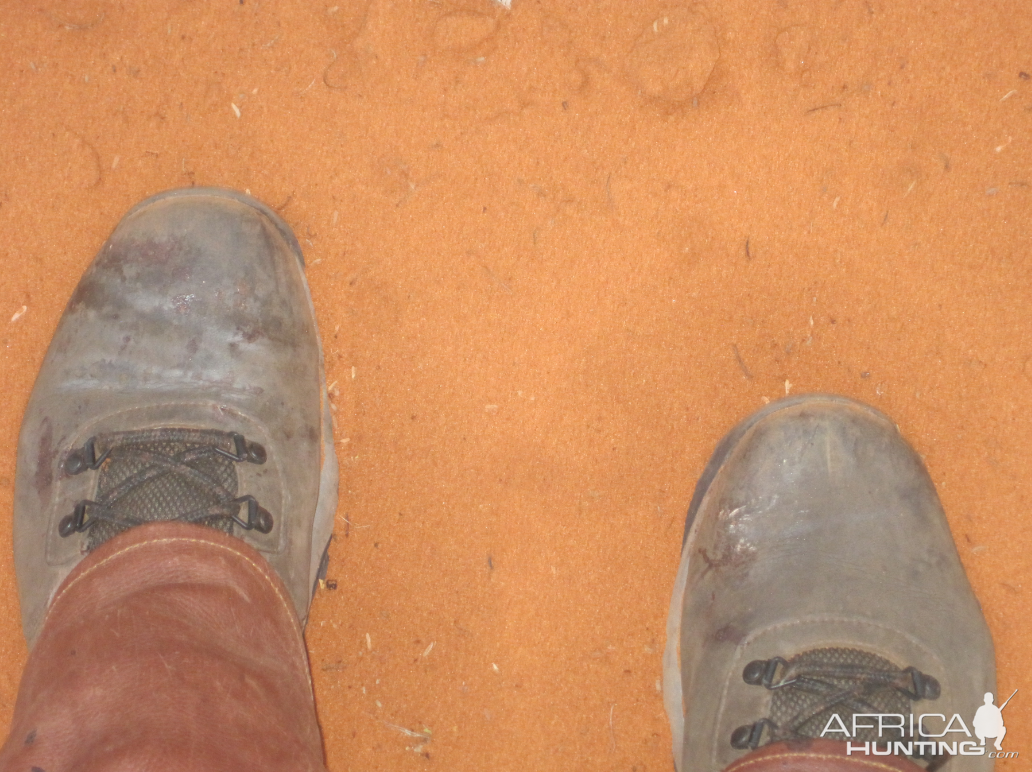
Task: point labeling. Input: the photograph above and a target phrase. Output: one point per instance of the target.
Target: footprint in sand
(77, 15)
(75, 161)
(674, 56)
(344, 71)
(463, 31)
(793, 50)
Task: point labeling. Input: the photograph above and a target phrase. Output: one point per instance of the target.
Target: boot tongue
(820, 684)
(827, 687)
(160, 474)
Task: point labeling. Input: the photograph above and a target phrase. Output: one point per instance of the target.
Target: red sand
(555, 254)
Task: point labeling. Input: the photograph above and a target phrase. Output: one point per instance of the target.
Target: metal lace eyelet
(252, 452)
(84, 458)
(258, 518)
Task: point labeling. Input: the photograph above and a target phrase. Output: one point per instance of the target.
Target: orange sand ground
(555, 254)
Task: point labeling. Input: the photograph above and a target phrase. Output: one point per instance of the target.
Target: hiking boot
(184, 382)
(819, 584)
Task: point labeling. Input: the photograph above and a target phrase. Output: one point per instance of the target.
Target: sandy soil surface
(555, 254)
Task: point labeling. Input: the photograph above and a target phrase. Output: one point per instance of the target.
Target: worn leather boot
(184, 382)
(175, 494)
(821, 618)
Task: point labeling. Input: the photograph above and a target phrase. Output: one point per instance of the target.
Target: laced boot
(184, 382)
(175, 494)
(821, 618)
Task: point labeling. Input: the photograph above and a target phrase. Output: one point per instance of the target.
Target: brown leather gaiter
(817, 756)
(170, 647)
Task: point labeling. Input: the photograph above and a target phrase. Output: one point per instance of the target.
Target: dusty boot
(184, 383)
(818, 585)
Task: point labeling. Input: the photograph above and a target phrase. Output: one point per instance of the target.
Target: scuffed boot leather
(818, 577)
(184, 382)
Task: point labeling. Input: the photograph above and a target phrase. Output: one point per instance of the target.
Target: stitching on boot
(825, 618)
(291, 614)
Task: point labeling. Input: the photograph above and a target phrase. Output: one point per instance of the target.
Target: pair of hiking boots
(819, 596)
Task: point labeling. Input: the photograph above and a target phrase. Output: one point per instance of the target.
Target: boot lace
(163, 474)
(809, 689)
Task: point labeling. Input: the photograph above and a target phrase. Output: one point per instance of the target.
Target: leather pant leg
(170, 647)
